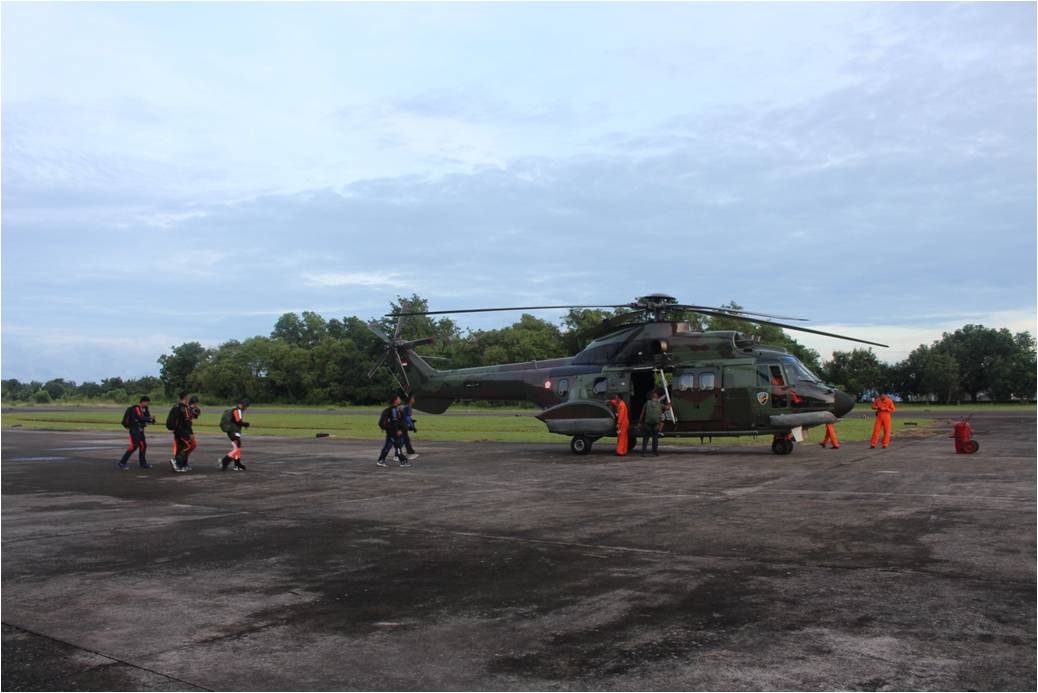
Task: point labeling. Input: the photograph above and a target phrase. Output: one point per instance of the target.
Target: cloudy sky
(175, 172)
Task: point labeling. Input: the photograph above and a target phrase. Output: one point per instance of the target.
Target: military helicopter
(719, 383)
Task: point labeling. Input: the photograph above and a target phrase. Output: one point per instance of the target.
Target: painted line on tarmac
(895, 494)
(112, 659)
(525, 540)
(35, 459)
(83, 447)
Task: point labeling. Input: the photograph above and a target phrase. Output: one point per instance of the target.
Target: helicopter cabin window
(706, 381)
(686, 381)
(600, 386)
(738, 376)
(562, 387)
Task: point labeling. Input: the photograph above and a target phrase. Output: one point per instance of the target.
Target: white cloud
(378, 279)
(903, 340)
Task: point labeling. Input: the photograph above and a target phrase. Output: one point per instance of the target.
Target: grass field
(518, 427)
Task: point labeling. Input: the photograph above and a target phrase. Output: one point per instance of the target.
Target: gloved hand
(246, 424)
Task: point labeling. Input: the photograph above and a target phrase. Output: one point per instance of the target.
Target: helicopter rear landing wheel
(580, 445)
(782, 446)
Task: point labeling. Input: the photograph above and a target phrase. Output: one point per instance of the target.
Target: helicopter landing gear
(781, 446)
(580, 445)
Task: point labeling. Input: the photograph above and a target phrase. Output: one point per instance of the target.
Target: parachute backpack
(227, 421)
(127, 417)
(173, 418)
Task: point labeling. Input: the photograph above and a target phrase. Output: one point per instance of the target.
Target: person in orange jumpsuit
(776, 379)
(830, 437)
(622, 424)
(884, 407)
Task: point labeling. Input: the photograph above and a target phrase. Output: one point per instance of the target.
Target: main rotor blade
(378, 364)
(403, 371)
(378, 332)
(498, 310)
(791, 327)
(739, 311)
(400, 320)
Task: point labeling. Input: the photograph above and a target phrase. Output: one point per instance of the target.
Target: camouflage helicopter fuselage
(720, 384)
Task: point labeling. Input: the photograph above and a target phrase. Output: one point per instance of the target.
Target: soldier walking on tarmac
(651, 420)
(884, 407)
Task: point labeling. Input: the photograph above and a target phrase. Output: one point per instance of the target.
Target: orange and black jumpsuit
(139, 417)
(184, 435)
(235, 437)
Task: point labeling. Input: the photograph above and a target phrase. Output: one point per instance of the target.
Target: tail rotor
(391, 355)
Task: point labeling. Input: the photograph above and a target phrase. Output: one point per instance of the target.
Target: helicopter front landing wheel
(580, 445)
(782, 446)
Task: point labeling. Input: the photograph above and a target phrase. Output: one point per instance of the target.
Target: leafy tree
(176, 368)
(17, 391)
(314, 329)
(59, 387)
(143, 386)
(857, 372)
(579, 327)
(289, 328)
(41, 397)
(336, 329)
(117, 395)
(940, 375)
(529, 339)
(985, 357)
(113, 384)
(90, 390)
(1023, 367)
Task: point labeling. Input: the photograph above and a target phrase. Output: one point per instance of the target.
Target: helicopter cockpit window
(686, 381)
(763, 376)
(600, 386)
(706, 381)
(801, 372)
(776, 376)
(562, 387)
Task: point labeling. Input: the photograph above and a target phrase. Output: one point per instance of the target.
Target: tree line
(309, 360)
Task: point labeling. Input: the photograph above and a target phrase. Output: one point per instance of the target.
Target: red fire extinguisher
(963, 436)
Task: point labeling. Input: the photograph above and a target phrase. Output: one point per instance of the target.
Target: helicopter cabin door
(738, 397)
(698, 399)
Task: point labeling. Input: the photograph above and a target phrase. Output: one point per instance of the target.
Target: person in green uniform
(651, 421)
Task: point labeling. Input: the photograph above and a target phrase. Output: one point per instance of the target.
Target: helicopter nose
(842, 404)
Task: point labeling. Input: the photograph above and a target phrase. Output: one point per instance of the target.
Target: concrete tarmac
(501, 566)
